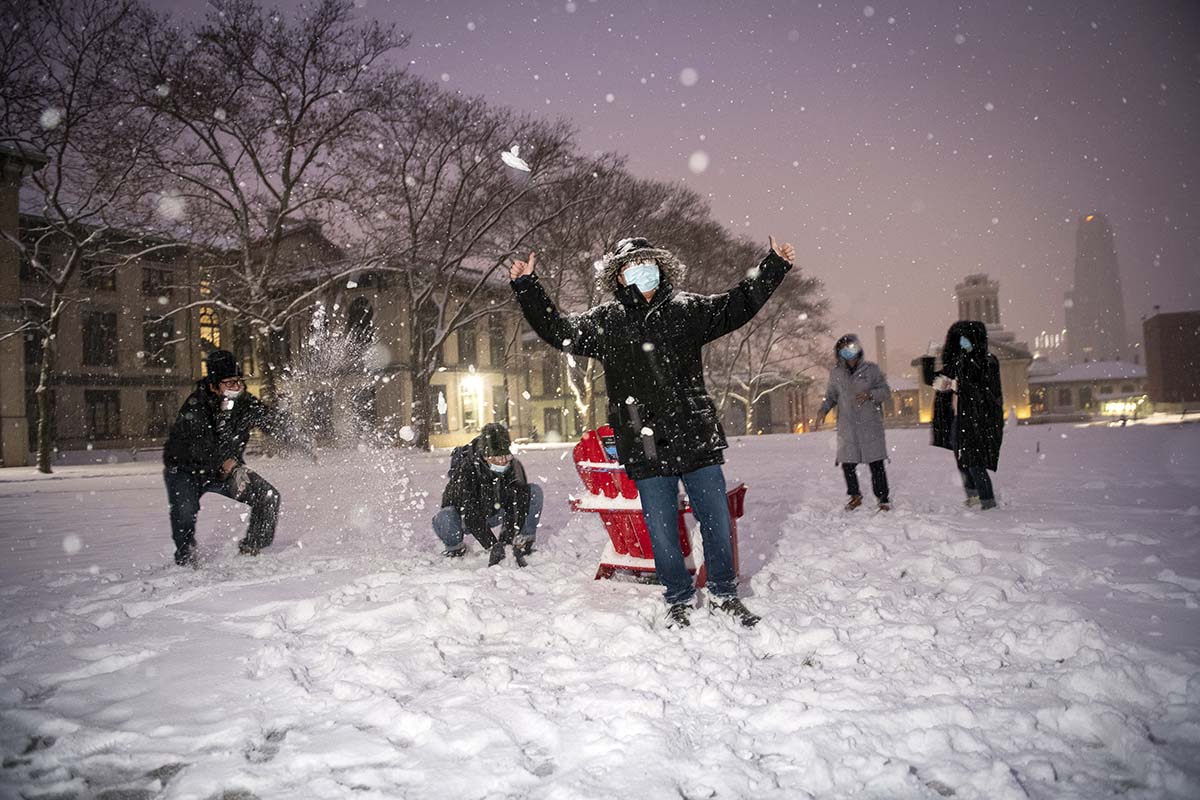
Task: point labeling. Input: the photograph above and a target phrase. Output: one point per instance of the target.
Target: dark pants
(710, 507)
(977, 482)
(184, 490)
(878, 480)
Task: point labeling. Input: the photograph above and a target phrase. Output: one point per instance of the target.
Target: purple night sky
(900, 146)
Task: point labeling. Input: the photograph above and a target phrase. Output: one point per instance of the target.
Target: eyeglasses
(231, 382)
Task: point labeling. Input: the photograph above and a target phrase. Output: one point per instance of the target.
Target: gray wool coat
(859, 427)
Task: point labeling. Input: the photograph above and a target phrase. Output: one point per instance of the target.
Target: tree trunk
(45, 396)
(422, 406)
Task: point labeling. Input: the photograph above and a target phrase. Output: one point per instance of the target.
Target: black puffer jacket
(665, 422)
(203, 438)
(975, 431)
(478, 493)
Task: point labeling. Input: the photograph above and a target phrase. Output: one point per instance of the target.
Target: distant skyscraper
(1095, 310)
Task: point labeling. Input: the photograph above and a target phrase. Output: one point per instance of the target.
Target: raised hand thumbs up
(787, 252)
(519, 268)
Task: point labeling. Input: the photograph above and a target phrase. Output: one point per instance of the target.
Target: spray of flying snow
(329, 386)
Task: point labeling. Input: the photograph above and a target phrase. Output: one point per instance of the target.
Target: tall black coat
(975, 431)
(479, 493)
(203, 438)
(664, 419)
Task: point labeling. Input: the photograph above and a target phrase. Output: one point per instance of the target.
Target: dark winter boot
(455, 552)
(735, 608)
(885, 505)
(245, 548)
(186, 556)
(496, 555)
(854, 502)
(519, 557)
(677, 615)
(984, 505)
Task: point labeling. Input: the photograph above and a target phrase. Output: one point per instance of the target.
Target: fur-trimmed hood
(634, 249)
(844, 340)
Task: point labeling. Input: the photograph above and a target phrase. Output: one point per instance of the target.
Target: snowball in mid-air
(698, 162)
(50, 118)
(377, 357)
(171, 206)
(407, 433)
(688, 76)
(72, 544)
(513, 158)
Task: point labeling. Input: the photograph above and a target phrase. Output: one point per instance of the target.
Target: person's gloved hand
(943, 384)
(238, 480)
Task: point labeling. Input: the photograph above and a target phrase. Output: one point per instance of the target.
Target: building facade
(1172, 352)
(1091, 389)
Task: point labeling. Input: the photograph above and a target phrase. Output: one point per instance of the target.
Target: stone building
(1172, 348)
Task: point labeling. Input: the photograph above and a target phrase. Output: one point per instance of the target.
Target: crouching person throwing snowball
(205, 452)
(488, 489)
(649, 340)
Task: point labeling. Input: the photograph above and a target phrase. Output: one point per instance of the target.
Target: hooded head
(494, 440)
(973, 331)
(847, 342)
(635, 250)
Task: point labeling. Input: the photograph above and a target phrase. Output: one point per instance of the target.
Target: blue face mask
(850, 352)
(644, 276)
(965, 344)
(498, 467)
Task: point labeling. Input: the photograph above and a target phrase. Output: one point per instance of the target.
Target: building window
(103, 414)
(466, 344)
(156, 282)
(1064, 398)
(360, 319)
(210, 329)
(551, 376)
(1127, 388)
(469, 391)
(160, 410)
(98, 275)
(1037, 399)
(441, 409)
(496, 340)
(99, 339)
(552, 420)
(1106, 389)
(243, 348)
(158, 346)
(1085, 398)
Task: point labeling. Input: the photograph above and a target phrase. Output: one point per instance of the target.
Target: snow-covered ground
(1048, 649)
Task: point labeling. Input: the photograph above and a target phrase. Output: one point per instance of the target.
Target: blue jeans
(706, 490)
(448, 524)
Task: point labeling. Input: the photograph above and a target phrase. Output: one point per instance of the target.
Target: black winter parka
(664, 419)
(975, 431)
(479, 493)
(203, 438)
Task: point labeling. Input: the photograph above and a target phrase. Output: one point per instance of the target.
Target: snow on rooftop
(1094, 371)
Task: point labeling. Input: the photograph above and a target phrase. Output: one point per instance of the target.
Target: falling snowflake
(688, 76)
(71, 544)
(698, 162)
(407, 433)
(512, 158)
(647, 431)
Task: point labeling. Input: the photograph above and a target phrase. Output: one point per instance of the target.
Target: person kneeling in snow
(859, 389)
(205, 452)
(487, 489)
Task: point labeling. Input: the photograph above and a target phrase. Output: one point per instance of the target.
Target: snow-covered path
(1049, 649)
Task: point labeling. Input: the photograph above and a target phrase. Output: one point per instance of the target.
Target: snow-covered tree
(259, 105)
(439, 204)
(65, 98)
